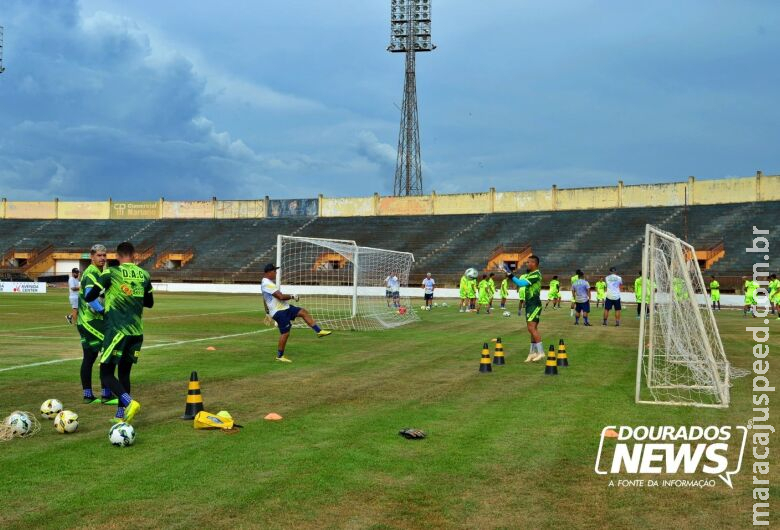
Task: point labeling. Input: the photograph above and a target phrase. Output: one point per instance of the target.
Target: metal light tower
(2, 69)
(410, 32)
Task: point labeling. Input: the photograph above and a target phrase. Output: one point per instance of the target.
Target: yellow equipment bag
(208, 420)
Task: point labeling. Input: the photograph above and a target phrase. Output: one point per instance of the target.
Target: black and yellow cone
(551, 367)
(498, 356)
(563, 359)
(194, 399)
(484, 362)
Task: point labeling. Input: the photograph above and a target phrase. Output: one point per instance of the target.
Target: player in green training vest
(750, 295)
(574, 279)
(531, 281)
(90, 326)
(491, 287)
(471, 292)
(128, 290)
(554, 293)
(774, 291)
(464, 287)
(601, 291)
(715, 292)
(503, 292)
(482, 294)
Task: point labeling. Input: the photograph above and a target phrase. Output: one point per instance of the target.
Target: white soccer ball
(472, 273)
(422, 308)
(66, 422)
(436, 304)
(50, 408)
(444, 304)
(121, 435)
(20, 423)
(506, 314)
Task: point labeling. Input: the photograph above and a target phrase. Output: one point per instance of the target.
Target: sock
(120, 412)
(279, 353)
(125, 399)
(88, 393)
(576, 320)
(532, 349)
(617, 322)
(586, 320)
(539, 348)
(316, 328)
(605, 321)
(105, 393)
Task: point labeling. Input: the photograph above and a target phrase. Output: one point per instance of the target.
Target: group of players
(109, 318)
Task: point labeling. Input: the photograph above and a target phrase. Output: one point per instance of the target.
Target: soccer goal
(681, 359)
(343, 284)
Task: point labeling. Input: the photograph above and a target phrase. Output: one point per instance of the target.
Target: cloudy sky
(188, 100)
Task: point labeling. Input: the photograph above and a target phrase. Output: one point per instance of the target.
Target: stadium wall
(693, 192)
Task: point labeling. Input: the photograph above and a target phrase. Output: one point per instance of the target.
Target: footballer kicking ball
(121, 435)
(66, 422)
(50, 408)
(506, 314)
(472, 273)
(20, 423)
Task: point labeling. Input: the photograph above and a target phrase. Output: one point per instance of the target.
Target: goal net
(343, 285)
(681, 359)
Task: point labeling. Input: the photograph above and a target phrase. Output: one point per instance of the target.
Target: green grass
(511, 449)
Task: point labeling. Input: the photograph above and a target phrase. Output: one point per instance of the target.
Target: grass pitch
(511, 449)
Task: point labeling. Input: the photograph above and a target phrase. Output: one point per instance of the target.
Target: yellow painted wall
(83, 210)
(587, 198)
(724, 190)
(239, 209)
(462, 203)
(523, 201)
(188, 209)
(30, 210)
(654, 195)
(770, 188)
(347, 207)
(405, 205)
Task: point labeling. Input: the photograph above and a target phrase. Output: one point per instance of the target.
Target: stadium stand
(234, 250)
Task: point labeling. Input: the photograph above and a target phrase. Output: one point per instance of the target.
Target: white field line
(177, 343)
(146, 319)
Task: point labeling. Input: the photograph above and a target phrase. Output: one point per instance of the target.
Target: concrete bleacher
(594, 240)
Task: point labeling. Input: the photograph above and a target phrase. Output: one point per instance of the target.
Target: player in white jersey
(428, 285)
(394, 288)
(614, 286)
(74, 285)
(283, 313)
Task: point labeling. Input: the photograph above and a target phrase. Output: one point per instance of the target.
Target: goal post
(680, 358)
(343, 283)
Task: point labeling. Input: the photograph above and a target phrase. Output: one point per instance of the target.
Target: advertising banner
(135, 210)
(293, 207)
(23, 287)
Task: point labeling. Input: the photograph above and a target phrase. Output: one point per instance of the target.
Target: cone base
(499, 361)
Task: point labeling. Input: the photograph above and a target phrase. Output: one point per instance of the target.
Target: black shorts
(91, 338)
(388, 293)
(118, 346)
(582, 306)
(429, 296)
(285, 317)
(612, 304)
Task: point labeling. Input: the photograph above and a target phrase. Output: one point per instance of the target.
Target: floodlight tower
(1, 50)
(410, 32)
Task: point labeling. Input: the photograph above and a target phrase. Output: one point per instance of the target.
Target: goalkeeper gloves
(508, 271)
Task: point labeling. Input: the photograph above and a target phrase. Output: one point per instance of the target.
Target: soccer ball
(507, 314)
(422, 308)
(66, 422)
(472, 273)
(444, 304)
(436, 304)
(50, 408)
(121, 435)
(20, 423)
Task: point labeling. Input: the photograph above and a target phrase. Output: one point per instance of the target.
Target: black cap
(612, 269)
(270, 267)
